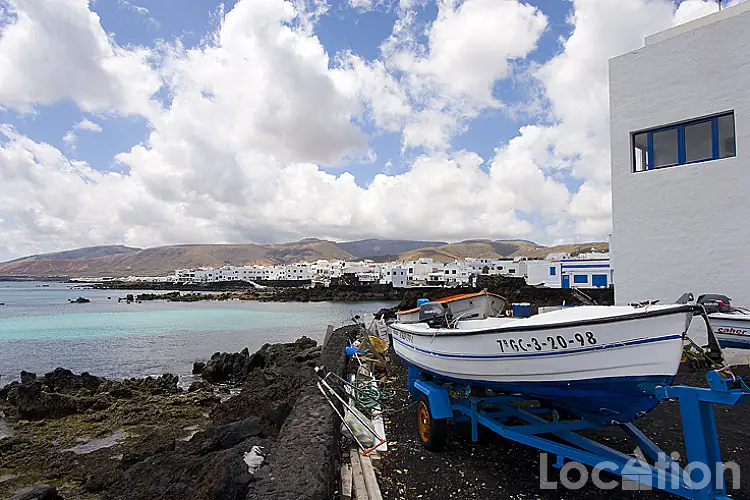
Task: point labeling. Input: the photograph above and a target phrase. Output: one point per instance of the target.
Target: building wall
(682, 228)
(538, 272)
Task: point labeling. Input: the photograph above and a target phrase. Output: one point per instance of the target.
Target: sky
(153, 122)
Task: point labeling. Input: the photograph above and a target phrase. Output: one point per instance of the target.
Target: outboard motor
(435, 314)
(714, 302)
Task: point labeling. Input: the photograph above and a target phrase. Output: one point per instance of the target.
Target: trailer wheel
(432, 431)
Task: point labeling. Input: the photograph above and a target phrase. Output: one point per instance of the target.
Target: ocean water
(40, 330)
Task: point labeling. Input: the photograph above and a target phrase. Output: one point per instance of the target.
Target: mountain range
(119, 261)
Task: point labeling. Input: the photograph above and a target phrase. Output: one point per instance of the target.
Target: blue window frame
(688, 142)
(580, 278)
(552, 271)
(599, 280)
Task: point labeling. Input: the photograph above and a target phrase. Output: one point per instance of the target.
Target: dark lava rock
(200, 385)
(237, 366)
(38, 492)
(34, 403)
(198, 367)
(211, 465)
(149, 445)
(66, 382)
(27, 377)
(312, 431)
(61, 392)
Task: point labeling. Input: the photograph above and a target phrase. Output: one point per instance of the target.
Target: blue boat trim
(571, 324)
(733, 344)
(536, 354)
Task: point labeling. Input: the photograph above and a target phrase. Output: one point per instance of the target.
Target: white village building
(571, 272)
(680, 130)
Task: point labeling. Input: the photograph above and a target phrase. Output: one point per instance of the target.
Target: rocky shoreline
(514, 289)
(86, 437)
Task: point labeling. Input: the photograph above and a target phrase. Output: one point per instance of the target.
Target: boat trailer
(544, 429)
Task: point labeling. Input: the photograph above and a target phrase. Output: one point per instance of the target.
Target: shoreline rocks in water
(149, 439)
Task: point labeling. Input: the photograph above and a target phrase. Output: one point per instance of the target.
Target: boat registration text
(549, 343)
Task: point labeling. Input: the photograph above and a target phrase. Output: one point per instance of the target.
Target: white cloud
(59, 50)
(449, 79)
(125, 4)
(70, 138)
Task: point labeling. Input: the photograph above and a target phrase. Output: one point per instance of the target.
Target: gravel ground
(495, 468)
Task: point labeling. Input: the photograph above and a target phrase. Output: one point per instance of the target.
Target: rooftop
(719, 15)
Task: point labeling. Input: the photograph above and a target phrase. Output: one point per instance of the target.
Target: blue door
(599, 280)
(566, 281)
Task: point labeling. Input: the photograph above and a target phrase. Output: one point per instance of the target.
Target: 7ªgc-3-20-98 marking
(549, 343)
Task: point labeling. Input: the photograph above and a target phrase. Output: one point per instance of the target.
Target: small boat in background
(599, 362)
(478, 305)
(731, 324)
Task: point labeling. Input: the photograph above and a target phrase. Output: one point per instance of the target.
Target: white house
(570, 273)
(297, 272)
(458, 272)
(395, 275)
(680, 129)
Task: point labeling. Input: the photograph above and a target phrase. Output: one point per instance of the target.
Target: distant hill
(83, 253)
(120, 260)
(160, 261)
(497, 249)
(370, 248)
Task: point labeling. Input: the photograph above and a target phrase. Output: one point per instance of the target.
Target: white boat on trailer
(598, 362)
(730, 324)
(464, 306)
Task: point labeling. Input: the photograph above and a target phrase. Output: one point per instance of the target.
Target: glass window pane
(640, 152)
(698, 145)
(726, 136)
(665, 147)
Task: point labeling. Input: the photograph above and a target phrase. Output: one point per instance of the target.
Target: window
(725, 125)
(666, 150)
(552, 271)
(454, 271)
(580, 278)
(689, 142)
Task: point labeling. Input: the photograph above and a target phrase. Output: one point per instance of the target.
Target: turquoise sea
(40, 330)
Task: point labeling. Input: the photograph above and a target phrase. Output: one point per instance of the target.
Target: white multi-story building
(680, 129)
(418, 271)
(396, 275)
(297, 272)
(458, 272)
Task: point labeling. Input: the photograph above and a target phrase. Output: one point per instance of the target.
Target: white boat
(598, 362)
(731, 324)
(732, 329)
(478, 305)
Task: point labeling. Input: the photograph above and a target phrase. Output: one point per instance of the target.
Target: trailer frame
(543, 428)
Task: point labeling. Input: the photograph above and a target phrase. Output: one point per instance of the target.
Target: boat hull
(610, 376)
(731, 330)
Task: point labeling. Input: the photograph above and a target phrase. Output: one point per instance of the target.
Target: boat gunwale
(678, 309)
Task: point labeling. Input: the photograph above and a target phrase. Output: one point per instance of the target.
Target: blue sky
(341, 29)
(148, 122)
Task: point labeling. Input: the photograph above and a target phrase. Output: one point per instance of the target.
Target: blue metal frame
(681, 155)
(559, 437)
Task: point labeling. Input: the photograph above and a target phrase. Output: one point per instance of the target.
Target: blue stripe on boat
(535, 354)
